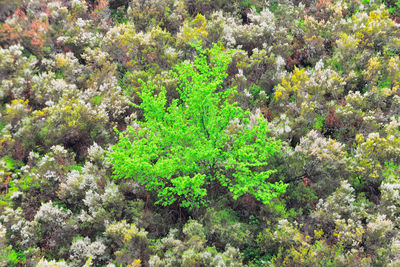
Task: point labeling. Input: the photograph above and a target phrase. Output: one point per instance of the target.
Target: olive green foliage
(182, 148)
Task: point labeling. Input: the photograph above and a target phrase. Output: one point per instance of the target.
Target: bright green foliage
(319, 124)
(182, 149)
(15, 258)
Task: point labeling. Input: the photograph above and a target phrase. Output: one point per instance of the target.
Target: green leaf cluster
(183, 150)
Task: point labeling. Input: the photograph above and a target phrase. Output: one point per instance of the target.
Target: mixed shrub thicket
(199, 133)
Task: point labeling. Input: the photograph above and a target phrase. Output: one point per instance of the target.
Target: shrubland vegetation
(199, 133)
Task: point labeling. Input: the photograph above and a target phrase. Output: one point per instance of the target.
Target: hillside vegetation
(199, 133)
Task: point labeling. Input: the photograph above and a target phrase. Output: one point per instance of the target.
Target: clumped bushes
(248, 133)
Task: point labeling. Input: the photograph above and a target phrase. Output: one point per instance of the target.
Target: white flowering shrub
(171, 251)
(101, 85)
(19, 231)
(73, 189)
(96, 154)
(91, 177)
(49, 170)
(81, 35)
(323, 160)
(64, 65)
(83, 249)
(47, 91)
(378, 238)
(337, 233)
(340, 205)
(15, 70)
(148, 14)
(51, 218)
(52, 263)
(261, 29)
(101, 207)
(300, 96)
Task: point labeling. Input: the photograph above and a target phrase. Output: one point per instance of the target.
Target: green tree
(182, 149)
